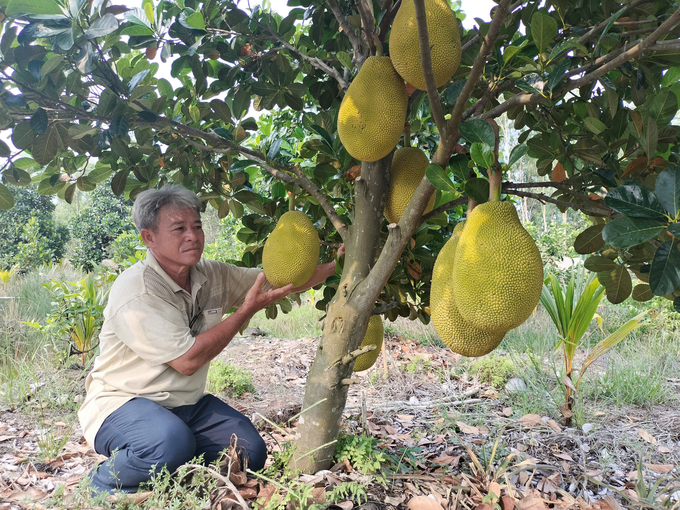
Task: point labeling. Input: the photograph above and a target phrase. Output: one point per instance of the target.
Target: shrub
(495, 370)
(223, 377)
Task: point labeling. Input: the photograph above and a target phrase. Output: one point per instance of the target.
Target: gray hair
(149, 202)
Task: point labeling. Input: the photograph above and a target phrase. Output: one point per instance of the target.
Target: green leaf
(51, 65)
(102, 26)
(195, 20)
(5, 151)
(626, 232)
(594, 125)
(597, 263)
(543, 30)
(635, 200)
(663, 107)
(221, 110)
(618, 285)
(667, 189)
(437, 176)
(241, 104)
(39, 121)
(195, 114)
(590, 240)
(676, 304)
(642, 293)
(674, 229)
(46, 146)
(22, 135)
(137, 30)
(664, 275)
(118, 182)
(482, 155)
(33, 7)
(650, 138)
(510, 52)
(477, 130)
(6, 198)
(517, 153)
(345, 59)
(477, 189)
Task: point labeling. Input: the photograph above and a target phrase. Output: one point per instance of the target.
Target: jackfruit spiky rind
(407, 170)
(291, 252)
(373, 112)
(374, 335)
(444, 38)
(497, 272)
(454, 331)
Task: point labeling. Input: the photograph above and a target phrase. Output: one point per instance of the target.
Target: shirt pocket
(211, 317)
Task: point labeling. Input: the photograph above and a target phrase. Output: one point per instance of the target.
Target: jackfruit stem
(407, 134)
(291, 199)
(378, 45)
(495, 182)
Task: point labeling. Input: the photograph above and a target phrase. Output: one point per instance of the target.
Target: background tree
(28, 235)
(592, 84)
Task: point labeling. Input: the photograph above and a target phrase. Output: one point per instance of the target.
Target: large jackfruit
(442, 29)
(291, 251)
(454, 331)
(374, 335)
(373, 112)
(407, 170)
(497, 272)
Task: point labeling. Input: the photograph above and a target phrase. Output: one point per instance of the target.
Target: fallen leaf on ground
(660, 468)
(530, 420)
(530, 503)
(467, 429)
(609, 503)
(647, 436)
(507, 411)
(423, 503)
(663, 449)
(563, 456)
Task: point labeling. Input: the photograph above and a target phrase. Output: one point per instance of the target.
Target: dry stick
(224, 480)
(586, 208)
(426, 63)
(426, 405)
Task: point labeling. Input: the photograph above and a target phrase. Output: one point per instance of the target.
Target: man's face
(178, 240)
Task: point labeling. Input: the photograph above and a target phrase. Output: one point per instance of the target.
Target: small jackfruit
(497, 272)
(407, 170)
(445, 50)
(454, 331)
(373, 112)
(374, 335)
(291, 252)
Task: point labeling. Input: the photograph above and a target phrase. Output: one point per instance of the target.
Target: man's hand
(257, 299)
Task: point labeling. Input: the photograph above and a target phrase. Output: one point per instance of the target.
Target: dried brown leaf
(423, 503)
(660, 468)
(530, 420)
(647, 436)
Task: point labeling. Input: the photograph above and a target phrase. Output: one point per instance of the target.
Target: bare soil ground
(430, 425)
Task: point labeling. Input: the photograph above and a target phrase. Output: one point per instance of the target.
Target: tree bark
(344, 327)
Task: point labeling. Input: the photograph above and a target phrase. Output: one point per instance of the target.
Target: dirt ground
(431, 427)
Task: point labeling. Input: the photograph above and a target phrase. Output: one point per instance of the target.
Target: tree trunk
(344, 327)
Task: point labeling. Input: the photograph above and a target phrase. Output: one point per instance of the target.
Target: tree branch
(591, 209)
(426, 63)
(348, 31)
(367, 23)
(476, 72)
(442, 208)
(593, 32)
(316, 62)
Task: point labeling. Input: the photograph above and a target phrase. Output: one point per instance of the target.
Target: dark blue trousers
(142, 434)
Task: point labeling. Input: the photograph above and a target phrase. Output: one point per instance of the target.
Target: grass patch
(495, 370)
(301, 321)
(223, 377)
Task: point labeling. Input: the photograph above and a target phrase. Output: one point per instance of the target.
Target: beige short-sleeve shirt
(150, 320)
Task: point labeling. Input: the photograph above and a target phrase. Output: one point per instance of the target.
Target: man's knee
(256, 451)
(173, 445)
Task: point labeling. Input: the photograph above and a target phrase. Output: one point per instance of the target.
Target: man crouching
(146, 404)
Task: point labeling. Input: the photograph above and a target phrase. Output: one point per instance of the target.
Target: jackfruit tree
(245, 107)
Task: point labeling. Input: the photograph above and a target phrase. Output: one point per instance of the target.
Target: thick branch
(477, 69)
(426, 63)
(442, 208)
(367, 23)
(347, 29)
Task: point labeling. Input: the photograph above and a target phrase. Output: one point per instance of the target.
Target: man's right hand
(257, 299)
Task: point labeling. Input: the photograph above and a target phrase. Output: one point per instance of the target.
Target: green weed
(301, 321)
(361, 452)
(224, 377)
(495, 370)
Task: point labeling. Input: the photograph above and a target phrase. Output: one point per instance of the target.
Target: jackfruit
(373, 112)
(374, 335)
(497, 271)
(407, 170)
(291, 252)
(442, 29)
(454, 331)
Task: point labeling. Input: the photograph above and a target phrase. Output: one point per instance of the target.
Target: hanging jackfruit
(407, 170)
(374, 335)
(373, 112)
(454, 331)
(497, 270)
(291, 252)
(442, 29)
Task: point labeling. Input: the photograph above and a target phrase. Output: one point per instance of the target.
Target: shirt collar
(197, 278)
